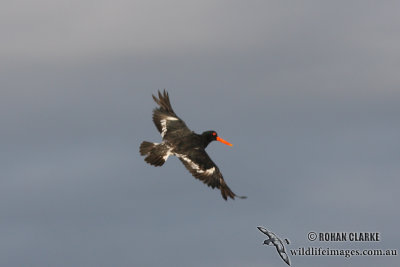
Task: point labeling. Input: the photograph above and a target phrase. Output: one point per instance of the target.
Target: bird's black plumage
(189, 147)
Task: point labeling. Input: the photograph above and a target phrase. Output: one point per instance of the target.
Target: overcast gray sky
(308, 93)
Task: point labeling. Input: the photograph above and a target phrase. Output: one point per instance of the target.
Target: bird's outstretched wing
(274, 240)
(266, 232)
(165, 119)
(203, 168)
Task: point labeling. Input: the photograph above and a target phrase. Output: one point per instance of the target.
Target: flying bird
(188, 146)
(275, 241)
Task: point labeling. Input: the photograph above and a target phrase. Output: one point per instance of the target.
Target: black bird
(189, 147)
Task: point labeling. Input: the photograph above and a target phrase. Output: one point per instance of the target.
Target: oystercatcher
(189, 147)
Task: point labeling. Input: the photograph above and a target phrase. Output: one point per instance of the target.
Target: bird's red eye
(214, 133)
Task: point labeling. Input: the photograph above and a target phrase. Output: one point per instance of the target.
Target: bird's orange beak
(223, 141)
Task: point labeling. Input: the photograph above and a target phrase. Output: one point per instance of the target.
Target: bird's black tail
(156, 154)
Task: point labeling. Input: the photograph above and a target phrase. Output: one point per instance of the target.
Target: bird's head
(268, 242)
(210, 136)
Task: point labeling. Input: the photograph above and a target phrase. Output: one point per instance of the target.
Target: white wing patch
(171, 118)
(163, 127)
(165, 157)
(164, 124)
(196, 167)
